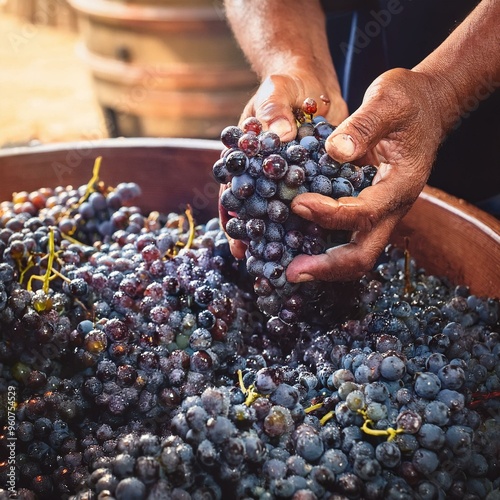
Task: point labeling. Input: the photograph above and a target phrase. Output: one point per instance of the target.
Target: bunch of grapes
(263, 176)
(107, 317)
(143, 370)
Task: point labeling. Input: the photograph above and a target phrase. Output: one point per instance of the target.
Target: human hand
(398, 127)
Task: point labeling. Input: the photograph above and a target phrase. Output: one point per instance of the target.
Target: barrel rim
(112, 143)
(139, 13)
(469, 212)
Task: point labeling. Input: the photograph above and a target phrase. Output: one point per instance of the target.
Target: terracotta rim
(474, 215)
(119, 143)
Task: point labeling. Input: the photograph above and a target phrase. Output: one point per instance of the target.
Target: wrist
(444, 97)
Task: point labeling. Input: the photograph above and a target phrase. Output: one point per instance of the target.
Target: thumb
(361, 131)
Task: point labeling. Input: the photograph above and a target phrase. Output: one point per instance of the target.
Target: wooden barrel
(170, 69)
(447, 236)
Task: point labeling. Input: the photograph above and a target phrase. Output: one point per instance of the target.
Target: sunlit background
(75, 69)
(47, 92)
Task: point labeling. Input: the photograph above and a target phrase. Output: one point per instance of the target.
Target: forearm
(282, 37)
(465, 68)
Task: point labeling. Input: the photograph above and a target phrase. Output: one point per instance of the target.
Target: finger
(391, 192)
(238, 248)
(345, 262)
(374, 120)
(223, 214)
(273, 105)
(248, 111)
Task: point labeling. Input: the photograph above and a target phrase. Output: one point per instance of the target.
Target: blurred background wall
(42, 12)
(46, 90)
(160, 68)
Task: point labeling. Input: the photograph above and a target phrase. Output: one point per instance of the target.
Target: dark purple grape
(328, 166)
(252, 124)
(277, 211)
(266, 187)
(273, 251)
(305, 130)
(255, 206)
(310, 143)
(230, 202)
(274, 167)
(230, 136)
(249, 143)
(262, 286)
(322, 130)
(243, 186)
(295, 176)
(341, 187)
(311, 169)
(256, 229)
(236, 162)
(294, 239)
(322, 185)
(236, 228)
(353, 174)
(297, 154)
(255, 167)
(220, 172)
(269, 143)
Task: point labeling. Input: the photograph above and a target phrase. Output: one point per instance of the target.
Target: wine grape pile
(263, 175)
(142, 368)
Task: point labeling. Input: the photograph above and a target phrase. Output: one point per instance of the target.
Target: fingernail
(344, 144)
(302, 277)
(281, 126)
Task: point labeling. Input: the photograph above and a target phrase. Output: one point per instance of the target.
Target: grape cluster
(107, 317)
(263, 176)
(143, 369)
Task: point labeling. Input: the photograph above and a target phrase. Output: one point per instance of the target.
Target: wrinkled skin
(394, 129)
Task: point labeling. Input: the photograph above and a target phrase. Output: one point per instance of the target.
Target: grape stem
(23, 272)
(93, 181)
(75, 241)
(324, 419)
(190, 219)
(480, 397)
(390, 432)
(311, 408)
(408, 286)
(46, 278)
(191, 234)
(250, 392)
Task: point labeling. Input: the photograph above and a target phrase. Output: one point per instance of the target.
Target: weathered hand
(399, 128)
